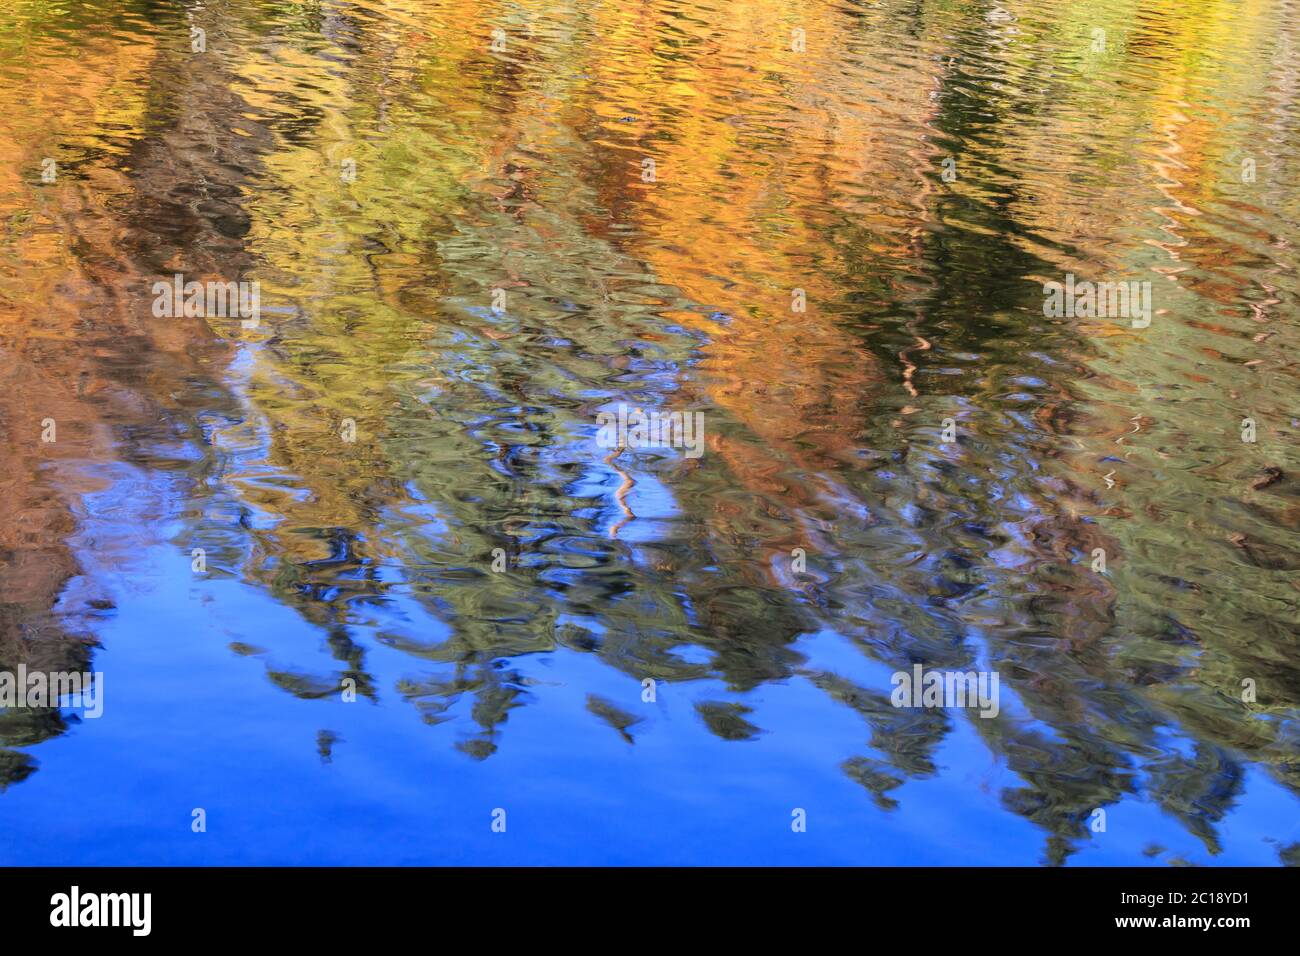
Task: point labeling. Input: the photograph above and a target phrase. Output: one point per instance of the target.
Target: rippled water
(439, 332)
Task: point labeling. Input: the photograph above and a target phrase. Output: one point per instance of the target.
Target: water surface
(352, 467)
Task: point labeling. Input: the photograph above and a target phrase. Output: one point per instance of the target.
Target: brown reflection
(83, 361)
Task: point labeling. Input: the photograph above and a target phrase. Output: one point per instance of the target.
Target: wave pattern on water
(500, 270)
